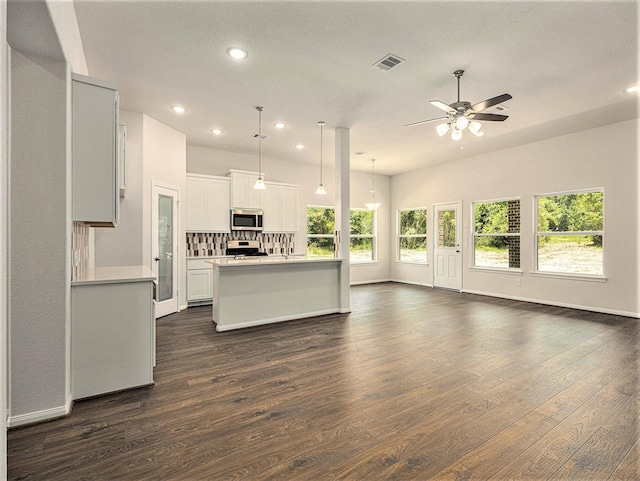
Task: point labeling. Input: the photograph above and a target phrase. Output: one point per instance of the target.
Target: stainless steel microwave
(246, 219)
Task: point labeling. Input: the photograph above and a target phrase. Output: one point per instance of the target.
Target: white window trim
(408, 236)
(503, 270)
(566, 275)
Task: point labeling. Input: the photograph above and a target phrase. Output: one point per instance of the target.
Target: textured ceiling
(564, 63)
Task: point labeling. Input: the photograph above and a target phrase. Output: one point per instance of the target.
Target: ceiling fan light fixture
(442, 129)
(462, 122)
(456, 134)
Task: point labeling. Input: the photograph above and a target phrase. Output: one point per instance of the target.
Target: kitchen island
(263, 290)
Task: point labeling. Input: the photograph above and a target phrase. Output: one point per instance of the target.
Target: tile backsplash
(207, 244)
(79, 250)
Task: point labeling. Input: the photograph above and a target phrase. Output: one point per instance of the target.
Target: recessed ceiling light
(216, 131)
(299, 146)
(632, 89)
(178, 109)
(237, 53)
(280, 125)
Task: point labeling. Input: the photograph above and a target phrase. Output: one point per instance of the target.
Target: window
(412, 235)
(320, 229)
(570, 232)
(496, 235)
(363, 240)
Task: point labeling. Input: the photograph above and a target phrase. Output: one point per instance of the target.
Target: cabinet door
(196, 204)
(289, 209)
(96, 193)
(243, 195)
(218, 210)
(271, 206)
(199, 285)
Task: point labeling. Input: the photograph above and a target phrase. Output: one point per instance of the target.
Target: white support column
(342, 180)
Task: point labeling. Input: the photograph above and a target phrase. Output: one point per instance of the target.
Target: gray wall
(39, 237)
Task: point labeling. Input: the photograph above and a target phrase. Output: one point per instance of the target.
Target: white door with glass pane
(164, 249)
(447, 254)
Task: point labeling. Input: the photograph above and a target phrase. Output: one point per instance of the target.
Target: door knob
(157, 259)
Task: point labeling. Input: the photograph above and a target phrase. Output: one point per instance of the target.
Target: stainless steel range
(244, 249)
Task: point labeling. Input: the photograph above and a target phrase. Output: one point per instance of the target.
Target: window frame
(537, 234)
(510, 270)
(400, 236)
(373, 236)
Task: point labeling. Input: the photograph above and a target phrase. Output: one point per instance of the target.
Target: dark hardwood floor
(415, 383)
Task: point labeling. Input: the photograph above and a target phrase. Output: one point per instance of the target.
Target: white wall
(4, 254)
(39, 238)
(202, 160)
(123, 246)
(605, 157)
(164, 162)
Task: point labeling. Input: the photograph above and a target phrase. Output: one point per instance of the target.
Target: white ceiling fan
(462, 114)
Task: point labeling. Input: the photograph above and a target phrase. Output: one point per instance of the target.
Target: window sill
(573, 277)
(409, 263)
(497, 270)
(367, 263)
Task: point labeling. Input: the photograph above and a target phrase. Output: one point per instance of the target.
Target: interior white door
(164, 221)
(447, 254)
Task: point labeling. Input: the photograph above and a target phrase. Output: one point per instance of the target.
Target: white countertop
(119, 274)
(253, 261)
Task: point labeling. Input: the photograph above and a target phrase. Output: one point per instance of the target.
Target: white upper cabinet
(207, 204)
(243, 195)
(96, 187)
(280, 207)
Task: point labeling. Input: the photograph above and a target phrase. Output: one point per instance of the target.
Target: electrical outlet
(518, 282)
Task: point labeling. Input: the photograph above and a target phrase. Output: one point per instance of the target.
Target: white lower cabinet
(112, 336)
(199, 281)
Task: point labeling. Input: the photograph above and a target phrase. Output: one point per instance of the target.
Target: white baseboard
(374, 281)
(272, 320)
(601, 310)
(39, 416)
(401, 281)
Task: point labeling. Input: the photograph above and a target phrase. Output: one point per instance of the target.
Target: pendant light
(320, 190)
(260, 182)
(373, 205)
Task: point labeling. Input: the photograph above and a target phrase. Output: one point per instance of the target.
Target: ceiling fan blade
(489, 117)
(442, 106)
(425, 121)
(485, 104)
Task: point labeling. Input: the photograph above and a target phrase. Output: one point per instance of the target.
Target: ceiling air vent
(498, 109)
(388, 62)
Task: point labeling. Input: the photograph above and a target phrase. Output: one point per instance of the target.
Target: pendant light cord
(259, 141)
(321, 125)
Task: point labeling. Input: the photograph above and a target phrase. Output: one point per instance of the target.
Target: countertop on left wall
(118, 274)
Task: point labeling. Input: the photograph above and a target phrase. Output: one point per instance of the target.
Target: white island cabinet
(265, 290)
(112, 330)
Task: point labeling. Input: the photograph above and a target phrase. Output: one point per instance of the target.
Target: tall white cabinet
(96, 183)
